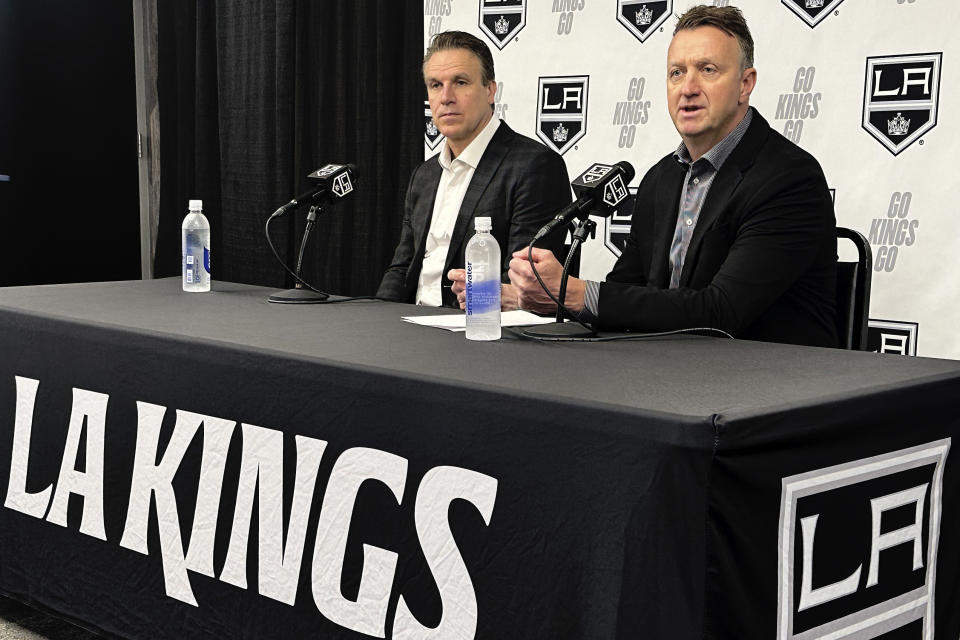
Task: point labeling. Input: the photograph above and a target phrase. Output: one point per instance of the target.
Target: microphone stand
(299, 294)
(561, 329)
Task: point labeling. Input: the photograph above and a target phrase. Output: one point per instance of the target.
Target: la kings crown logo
(562, 111)
(900, 98)
(501, 20)
(812, 11)
(431, 134)
(643, 18)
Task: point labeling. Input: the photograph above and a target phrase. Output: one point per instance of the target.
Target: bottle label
(483, 295)
(196, 259)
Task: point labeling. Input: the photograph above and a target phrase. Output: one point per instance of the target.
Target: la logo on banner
(431, 134)
(812, 12)
(642, 19)
(616, 227)
(502, 20)
(900, 98)
(562, 111)
(892, 336)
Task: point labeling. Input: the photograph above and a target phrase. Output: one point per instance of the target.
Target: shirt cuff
(591, 301)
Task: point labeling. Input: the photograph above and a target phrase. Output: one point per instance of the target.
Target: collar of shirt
(717, 155)
(474, 151)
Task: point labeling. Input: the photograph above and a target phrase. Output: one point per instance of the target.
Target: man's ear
(748, 80)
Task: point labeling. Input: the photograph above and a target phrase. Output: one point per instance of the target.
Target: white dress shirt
(454, 180)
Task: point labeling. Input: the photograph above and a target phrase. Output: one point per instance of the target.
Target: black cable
(579, 320)
(303, 241)
(635, 336)
(574, 315)
(266, 230)
(562, 294)
(303, 282)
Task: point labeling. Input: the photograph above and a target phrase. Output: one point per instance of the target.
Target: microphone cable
(562, 294)
(574, 315)
(632, 337)
(595, 338)
(266, 230)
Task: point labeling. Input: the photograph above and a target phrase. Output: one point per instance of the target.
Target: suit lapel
(489, 163)
(421, 225)
(722, 189)
(665, 223)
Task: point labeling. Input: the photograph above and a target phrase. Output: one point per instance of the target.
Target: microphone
(599, 190)
(331, 182)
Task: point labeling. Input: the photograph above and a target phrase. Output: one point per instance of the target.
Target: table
(210, 465)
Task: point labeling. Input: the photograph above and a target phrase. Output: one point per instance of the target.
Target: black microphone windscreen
(628, 171)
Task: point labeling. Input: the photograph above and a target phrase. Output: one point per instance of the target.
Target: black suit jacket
(519, 183)
(762, 260)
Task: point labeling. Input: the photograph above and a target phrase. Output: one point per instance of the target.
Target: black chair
(853, 293)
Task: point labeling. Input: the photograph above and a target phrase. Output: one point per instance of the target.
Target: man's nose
(690, 85)
(446, 94)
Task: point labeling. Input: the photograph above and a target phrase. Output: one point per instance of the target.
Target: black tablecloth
(659, 488)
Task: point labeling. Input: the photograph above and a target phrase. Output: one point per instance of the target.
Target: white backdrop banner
(866, 86)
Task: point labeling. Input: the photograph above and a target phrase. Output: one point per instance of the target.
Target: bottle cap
(196, 205)
(482, 224)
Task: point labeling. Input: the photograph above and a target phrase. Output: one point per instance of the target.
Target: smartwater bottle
(196, 249)
(483, 284)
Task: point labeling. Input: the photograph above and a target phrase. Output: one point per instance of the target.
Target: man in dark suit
(485, 169)
(734, 231)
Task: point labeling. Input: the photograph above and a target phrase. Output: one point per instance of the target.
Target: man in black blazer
(515, 181)
(734, 231)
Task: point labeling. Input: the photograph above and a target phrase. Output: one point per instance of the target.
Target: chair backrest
(853, 293)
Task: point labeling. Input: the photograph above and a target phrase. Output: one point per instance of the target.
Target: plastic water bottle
(483, 283)
(196, 249)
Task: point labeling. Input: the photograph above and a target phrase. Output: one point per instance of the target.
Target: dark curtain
(68, 126)
(255, 95)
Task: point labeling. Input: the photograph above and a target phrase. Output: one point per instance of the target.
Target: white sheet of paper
(458, 321)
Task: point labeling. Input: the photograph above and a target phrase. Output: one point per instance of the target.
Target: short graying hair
(463, 40)
(730, 20)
